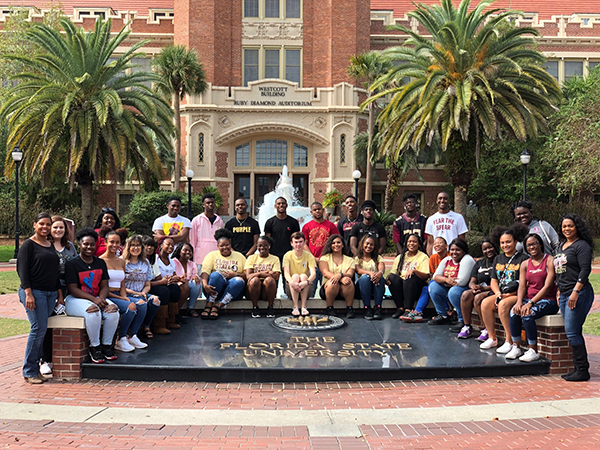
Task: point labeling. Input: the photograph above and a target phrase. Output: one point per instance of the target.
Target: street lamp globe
(525, 157)
(189, 173)
(17, 154)
(356, 174)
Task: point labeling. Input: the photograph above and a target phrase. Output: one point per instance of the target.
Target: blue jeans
(318, 278)
(441, 294)
(131, 319)
(227, 290)
(542, 308)
(195, 290)
(38, 318)
(423, 299)
(366, 288)
(575, 317)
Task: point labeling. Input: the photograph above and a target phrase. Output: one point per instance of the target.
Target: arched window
(343, 149)
(201, 148)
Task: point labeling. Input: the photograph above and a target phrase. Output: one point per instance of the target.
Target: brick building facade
(278, 88)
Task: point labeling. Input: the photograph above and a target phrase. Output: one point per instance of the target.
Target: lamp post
(356, 175)
(17, 156)
(189, 174)
(525, 158)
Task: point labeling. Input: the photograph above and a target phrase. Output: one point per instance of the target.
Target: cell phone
(60, 309)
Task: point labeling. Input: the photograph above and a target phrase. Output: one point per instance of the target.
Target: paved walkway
(514, 412)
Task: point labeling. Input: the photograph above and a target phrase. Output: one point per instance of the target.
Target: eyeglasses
(135, 246)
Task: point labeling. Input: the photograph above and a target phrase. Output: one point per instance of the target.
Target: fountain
(284, 188)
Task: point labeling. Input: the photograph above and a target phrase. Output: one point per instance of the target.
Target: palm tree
(476, 76)
(366, 68)
(75, 110)
(181, 74)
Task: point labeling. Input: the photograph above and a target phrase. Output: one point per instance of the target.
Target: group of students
(138, 284)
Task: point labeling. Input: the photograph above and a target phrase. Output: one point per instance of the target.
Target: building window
(273, 9)
(141, 65)
(343, 149)
(293, 65)
(81, 13)
(293, 9)
(250, 65)
(300, 155)
(573, 69)
(377, 197)
(250, 8)
(124, 202)
(162, 14)
(552, 68)
(260, 63)
(271, 153)
(592, 64)
(242, 155)
(271, 63)
(201, 148)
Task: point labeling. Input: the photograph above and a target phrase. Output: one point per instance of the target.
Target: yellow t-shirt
(300, 265)
(370, 266)
(418, 262)
(270, 263)
(347, 263)
(215, 262)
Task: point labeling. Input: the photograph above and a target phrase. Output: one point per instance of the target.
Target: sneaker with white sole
(466, 332)
(529, 356)
(489, 343)
(504, 348)
(46, 368)
(483, 335)
(123, 345)
(514, 352)
(135, 342)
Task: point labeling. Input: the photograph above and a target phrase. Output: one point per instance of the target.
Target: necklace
(242, 222)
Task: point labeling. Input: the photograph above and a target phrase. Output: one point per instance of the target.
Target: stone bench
(552, 340)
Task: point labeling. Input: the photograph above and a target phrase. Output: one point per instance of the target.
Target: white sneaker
(46, 368)
(530, 355)
(514, 352)
(489, 343)
(135, 342)
(504, 348)
(123, 345)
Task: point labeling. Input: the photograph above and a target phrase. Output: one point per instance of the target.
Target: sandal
(206, 312)
(305, 312)
(214, 312)
(148, 333)
(295, 311)
(192, 313)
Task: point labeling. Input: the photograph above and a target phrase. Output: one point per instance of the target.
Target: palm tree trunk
(460, 200)
(87, 202)
(392, 186)
(177, 172)
(369, 167)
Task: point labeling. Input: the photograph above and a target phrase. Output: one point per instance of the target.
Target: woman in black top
(480, 287)
(573, 264)
(38, 268)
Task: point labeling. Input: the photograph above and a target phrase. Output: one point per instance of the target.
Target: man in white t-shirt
(444, 223)
(172, 224)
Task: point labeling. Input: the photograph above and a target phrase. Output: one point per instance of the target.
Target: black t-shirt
(506, 271)
(38, 267)
(573, 264)
(86, 276)
(281, 231)
(243, 233)
(374, 230)
(405, 228)
(344, 227)
(483, 271)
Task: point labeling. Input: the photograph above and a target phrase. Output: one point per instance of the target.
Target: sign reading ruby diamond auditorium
(273, 94)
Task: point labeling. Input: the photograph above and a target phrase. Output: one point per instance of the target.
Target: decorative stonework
(320, 122)
(272, 31)
(254, 128)
(200, 117)
(224, 121)
(342, 119)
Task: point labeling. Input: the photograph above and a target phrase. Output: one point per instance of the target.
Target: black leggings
(167, 293)
(406, 292)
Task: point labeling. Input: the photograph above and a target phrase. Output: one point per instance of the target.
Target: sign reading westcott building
(273, 94)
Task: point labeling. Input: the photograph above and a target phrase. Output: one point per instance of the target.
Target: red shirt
(317, 234)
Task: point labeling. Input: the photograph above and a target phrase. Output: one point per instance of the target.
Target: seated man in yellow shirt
(299, 269)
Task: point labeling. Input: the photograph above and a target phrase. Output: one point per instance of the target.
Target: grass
(9, 282)
(595, 282)
(592, 324)
(13, 327)
(6, 252)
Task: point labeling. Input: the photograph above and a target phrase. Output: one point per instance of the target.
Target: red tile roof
(140, 6)
(545, 8)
